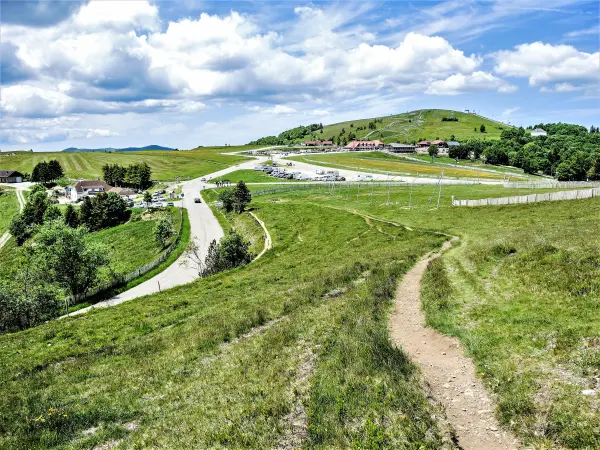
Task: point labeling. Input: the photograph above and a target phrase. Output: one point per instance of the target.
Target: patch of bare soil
(296, 421)
(448, 373)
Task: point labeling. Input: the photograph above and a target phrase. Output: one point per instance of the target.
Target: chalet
(317, 143)
(10, 176)
(538, 132)
(394, 147)
(83, 188)
(439, 143)
(365, 145)
(122, 192)
(423, 144)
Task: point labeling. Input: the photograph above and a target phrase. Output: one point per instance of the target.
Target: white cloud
(111, 67)
(545, 63)
(124, 14)
(320, 112)
(507, 113)
(595, 30)
(99, 133)
(477, 81)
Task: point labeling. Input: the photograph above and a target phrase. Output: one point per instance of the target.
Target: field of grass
(300, 336)
(425, 124)
(521, 291)
(236, 359)
(382, 163)
(165, 165)
(9, 206)
(478, 164)
(251, 176)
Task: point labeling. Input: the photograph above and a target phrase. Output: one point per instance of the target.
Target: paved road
(204, 228)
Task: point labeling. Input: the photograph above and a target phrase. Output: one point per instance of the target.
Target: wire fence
(121, 280)
(549, 184)
(532, 198)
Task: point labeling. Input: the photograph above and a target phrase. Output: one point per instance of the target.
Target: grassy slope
(165, 165)
(426, 124)
(521, 291)
(9, 206)
(170, 366)
(378, 162)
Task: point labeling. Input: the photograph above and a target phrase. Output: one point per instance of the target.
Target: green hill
(406, 127)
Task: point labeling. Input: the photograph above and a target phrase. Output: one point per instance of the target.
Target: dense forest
(568, 152)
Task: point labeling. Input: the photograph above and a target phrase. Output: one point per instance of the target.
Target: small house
(10, 176)
(539, 132)
(83, 188)
(365, 145)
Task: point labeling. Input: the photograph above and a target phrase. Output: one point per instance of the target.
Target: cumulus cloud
(477, 81)
(545, 63)
(96, 63)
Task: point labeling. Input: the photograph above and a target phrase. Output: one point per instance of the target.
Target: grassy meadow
(425, 124)
(521, 292)
(234, 360)
(165, 165)
(383, 163)
(9, 206)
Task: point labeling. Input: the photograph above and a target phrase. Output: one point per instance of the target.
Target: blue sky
(188, 73)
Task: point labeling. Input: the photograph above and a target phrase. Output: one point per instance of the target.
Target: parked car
(170, 204)
(197, 200)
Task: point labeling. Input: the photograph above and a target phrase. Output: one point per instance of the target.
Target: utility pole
(440, 192)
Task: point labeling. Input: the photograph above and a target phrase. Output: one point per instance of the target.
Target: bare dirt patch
(448, 374)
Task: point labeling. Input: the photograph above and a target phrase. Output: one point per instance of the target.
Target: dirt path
(268, 241)
(449, 375)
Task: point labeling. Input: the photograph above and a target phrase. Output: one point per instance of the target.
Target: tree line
(136, 175)
(569, 152)
(101, 211)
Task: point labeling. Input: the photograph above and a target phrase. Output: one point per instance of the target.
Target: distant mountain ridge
(111, 149)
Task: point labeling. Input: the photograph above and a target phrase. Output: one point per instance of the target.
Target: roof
(539, 130)
(91, 184)
(453, 143)
(10, 173)
(424, 142)
(122, 191)
(397, 145)
(438, 141)
(355, 144)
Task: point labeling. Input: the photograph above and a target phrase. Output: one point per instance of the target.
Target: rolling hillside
(406, 127)
(110, 149)
(165, 165)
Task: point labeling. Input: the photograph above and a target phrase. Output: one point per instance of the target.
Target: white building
(538, 132)
(83, 188)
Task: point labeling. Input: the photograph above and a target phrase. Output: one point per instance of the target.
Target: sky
(181, 74)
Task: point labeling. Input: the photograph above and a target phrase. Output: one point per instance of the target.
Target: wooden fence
(532, 198)
(122, 280)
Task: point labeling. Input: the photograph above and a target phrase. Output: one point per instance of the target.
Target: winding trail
(448, 373)
(268, 240)
(6, 236)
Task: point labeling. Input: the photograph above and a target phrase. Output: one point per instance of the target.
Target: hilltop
(126, 149)
(407, 127)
